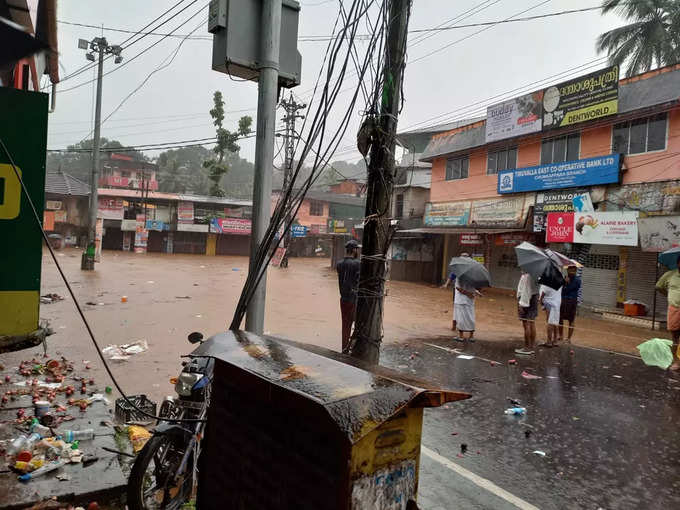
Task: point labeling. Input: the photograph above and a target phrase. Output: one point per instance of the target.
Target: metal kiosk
(289, 428)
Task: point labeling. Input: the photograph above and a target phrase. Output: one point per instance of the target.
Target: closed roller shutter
(641, 278)
(600, 272)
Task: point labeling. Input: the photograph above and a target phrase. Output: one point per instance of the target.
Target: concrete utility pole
(101, 46)
(291, 108)
(367, 334)
(267, 91)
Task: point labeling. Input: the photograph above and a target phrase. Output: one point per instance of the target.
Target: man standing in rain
(348, 281)
(569, 304)
(464, 308)
(527, 310)
(551, 300)
(669, 285)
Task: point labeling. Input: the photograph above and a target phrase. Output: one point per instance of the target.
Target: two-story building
(514, 176)
(124, 171)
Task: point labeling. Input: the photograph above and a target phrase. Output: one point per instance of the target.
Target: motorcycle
(164, 472)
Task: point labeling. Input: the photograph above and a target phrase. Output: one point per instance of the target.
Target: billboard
(614, 228)
(588, 97)
(498, 212)
(230, 226)
(446, 214)
(110, 208)
(553, 201)
(659, 233)
(519, 116)
(569, 174)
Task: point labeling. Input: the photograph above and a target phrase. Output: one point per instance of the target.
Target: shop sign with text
(614, 228)
(516, 117)
(470, 239)
(551, 202)
(588, 97)
(498, 212)
(230, 226)
(447, 214)
(185, 212)
(569, 174)
(110, 208)
(298, 231)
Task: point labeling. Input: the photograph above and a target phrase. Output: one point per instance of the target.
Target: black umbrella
(16, 42)
(540, 264)
(470, 271)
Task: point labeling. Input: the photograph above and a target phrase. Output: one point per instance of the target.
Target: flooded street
(606, 423)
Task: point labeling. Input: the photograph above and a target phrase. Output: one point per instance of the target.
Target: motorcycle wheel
(150, 485)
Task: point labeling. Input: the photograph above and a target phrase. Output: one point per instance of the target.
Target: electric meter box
(235, 25)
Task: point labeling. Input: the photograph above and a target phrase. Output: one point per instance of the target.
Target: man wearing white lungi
(464, 309)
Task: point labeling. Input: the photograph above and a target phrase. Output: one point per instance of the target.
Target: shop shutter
(641, 279)
(600, 276)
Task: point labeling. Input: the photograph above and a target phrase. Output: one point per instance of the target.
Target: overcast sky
(452, 83)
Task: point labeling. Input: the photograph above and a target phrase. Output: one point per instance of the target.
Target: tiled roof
(61, 183)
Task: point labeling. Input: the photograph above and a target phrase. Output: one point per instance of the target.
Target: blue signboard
(157, 225)
(569, 174)
(298, 231)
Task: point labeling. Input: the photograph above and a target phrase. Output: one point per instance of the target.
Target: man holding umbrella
(669, 284)
(471, 276)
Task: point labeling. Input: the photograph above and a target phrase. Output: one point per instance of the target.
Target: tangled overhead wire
(317, 137)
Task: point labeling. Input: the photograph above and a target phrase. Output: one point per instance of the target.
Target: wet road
(609, 427)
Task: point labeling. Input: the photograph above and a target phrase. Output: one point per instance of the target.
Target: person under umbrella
(551, 300)
(669, 285)
(570, 293)
(527, 310)
(471, 275)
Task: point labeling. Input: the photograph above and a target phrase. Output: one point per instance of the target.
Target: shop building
(124, 172)
(566, 154)
(66, 206)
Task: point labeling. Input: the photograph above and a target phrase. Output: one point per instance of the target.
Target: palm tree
(652, 39)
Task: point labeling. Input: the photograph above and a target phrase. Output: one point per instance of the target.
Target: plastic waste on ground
(43, 470)
(527, 375)
(23, 442)
(77, 435)
(139, 436)
(516, 410)
(124, 351)
(657, 352)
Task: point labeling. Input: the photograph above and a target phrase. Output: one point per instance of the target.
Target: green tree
(181, 170)
(651, 39)
(226, 144)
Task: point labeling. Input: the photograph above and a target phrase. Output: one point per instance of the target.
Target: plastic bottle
(40, 429)
(23, 442)
(516, 410)
(72, 435)
(43, 470)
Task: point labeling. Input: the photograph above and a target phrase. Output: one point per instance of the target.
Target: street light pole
(267, 91)
(101, 46)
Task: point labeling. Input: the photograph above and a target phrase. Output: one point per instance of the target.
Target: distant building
(354, 187)
(66, 207)
(123, 171)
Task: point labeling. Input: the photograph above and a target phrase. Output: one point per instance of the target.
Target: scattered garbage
(47, 468)
(512, 362)
(657, 352)
(529, 376)
(539, 453)
(464, 356)
(514, 402)
(124, 351)
(139, 436)
(520, 411)
(618, 376)
(463, 448)
(123, 299)
(50, 298)
(182, 297)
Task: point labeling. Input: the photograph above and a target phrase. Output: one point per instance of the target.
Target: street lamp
(101, 46)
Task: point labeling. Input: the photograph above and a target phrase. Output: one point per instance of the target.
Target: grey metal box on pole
(236, 29)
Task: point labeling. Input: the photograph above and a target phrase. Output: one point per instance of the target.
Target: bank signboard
(515, 117)
(613, 228)
(569, 174)
(588, 97)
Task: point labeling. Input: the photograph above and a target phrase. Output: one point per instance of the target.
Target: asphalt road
(608, 426)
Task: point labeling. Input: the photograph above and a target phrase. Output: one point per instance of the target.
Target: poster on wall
(61, 216)
(551, 202)
(98, 237)
(48, 221)
(498, 212)
(588, 97)
(659, 233)
(185, 212)
(568, 174)
(615, 228)
(447, 214)
(515, 117)
(141, 235)
(649, 198)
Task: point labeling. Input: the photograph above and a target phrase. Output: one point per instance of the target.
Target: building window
(562, 148)
(457, 168)
(399, 206)
(640, 135)
(315, 208)
(505, 159)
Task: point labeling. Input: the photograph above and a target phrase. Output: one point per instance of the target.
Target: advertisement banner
(48, 220)
(498, 212)
(588, 97)
(649, 198)
(337, 226)
(128, 225)
(516, 117)
(659, 233)
(185, 212)
(298, 231)
(98, 236)
(471, 239)
(157, 225)
(569, 174)
(191, 227)
(230, 226)
(510, 239)
(110, 208)
(53, 204)
(551, 202)
(141, 235)
(614, 228)
(447, 214)
(582, 203)
(60, 216)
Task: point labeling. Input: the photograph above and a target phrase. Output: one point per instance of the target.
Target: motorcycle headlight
(185, 382)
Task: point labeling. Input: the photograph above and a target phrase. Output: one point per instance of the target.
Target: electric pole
(367, 334)
(267, 91)
(101, 46)
(291, 108)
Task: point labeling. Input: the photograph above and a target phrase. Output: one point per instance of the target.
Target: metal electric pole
(100, 46)
(267, 92)
(367, 334)
(291, 108)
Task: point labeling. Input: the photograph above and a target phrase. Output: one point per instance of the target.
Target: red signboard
(560, 228)
(230, 226)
